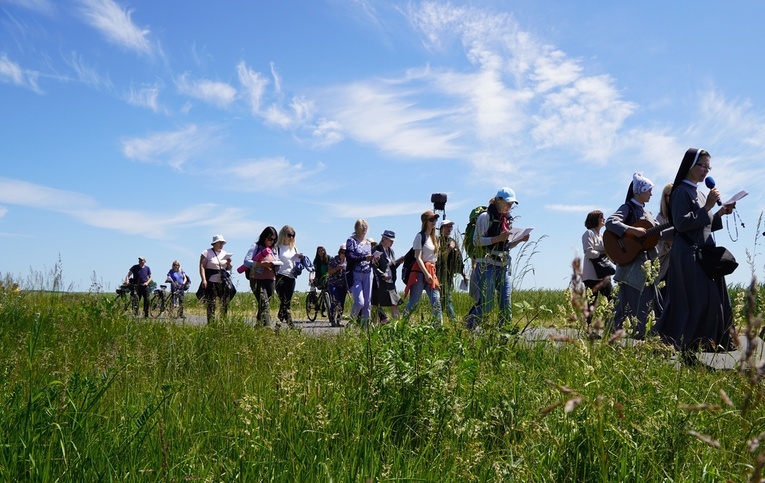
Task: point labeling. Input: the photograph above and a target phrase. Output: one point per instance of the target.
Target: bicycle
(314, 303)
(127, 297)
(163, 301)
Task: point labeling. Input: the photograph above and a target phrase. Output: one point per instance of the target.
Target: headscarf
(640, 184)
(690, 159)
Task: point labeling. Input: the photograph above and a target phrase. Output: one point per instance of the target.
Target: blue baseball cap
(507, 194)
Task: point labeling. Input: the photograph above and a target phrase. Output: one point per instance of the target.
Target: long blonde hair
(284, 239)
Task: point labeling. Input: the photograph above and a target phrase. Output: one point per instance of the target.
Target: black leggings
(285, 288)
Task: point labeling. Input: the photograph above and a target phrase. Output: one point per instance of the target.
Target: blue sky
(144, 128)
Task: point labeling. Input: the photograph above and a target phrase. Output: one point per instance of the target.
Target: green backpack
(473, 251)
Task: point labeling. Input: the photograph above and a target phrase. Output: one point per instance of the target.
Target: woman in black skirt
(384, 293)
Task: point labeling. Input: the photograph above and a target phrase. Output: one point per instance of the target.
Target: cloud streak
(12, 73)
(216, 93)
(152, 225)
(116, 25)
(175, 148)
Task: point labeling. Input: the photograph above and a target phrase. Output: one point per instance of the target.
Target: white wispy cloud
(145, 97)
(269, 174)
(17, 192)
(173, 147)
(116, 25)
(387, 116)
(85, 73)
(521, 97)
(12, 73)
(151, 224)
(213, 92)
(253, 84)
(325, 133)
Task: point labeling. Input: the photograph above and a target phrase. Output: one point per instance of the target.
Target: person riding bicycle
(179, 283)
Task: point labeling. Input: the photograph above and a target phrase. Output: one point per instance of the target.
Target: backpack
(409, 260)
(473, 251)
(186, 285)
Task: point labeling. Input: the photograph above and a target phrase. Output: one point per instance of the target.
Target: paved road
(721, 361)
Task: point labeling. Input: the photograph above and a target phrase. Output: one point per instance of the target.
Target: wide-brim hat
(217, 238)
(389, 234)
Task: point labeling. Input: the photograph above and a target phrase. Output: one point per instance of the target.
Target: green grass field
(90, 394)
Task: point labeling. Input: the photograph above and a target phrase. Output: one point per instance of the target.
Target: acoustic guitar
(622, 250)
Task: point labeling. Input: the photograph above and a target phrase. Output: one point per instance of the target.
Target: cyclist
(179, 282)
(141, 275)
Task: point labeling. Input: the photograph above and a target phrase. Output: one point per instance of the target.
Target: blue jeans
(416, 292)
(492, 281)
(361, 291)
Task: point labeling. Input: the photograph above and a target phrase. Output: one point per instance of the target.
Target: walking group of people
(662, 279)
(364, 269)
(692, 309)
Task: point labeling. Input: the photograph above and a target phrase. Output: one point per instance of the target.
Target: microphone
(710, 182)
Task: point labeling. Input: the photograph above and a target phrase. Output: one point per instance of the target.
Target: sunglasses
(271, 238)
(290, 235)
(433, 220)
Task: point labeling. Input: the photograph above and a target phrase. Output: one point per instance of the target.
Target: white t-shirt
(428, 251)
(215, 261)
(289, 257)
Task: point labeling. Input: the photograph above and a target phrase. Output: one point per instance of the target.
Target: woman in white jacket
(592, 247)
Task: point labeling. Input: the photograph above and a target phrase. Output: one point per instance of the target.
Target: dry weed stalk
(580, 302)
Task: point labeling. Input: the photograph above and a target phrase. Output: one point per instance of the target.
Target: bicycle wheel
(134, 303)
(325, 301)
(173, 306)
(156, 305)
(311, 306)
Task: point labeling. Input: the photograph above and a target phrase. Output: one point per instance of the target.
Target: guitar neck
(657, 229)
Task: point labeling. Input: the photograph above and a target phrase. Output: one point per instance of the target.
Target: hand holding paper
(518, 233)
(736, 197)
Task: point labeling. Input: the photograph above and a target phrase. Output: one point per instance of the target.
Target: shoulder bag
(716, 261)
(603, 267)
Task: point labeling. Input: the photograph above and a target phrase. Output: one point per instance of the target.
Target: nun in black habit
(697, 312)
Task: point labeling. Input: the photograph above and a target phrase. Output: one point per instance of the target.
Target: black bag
(410, 260)
(201, 293)
(716, 261)
(185, 287)
(603, 267)
(228, 283)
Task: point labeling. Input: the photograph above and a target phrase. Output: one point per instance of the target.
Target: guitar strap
(631, 217)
